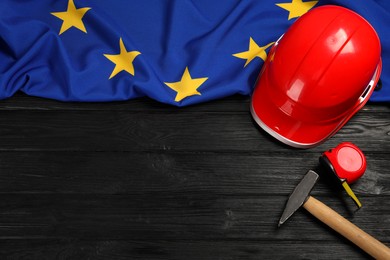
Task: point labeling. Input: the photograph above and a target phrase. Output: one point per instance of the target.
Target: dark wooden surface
(142, 180)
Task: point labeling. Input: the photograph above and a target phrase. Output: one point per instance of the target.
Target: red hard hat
(317, 76)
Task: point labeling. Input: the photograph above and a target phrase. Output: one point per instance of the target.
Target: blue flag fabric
(178, 52)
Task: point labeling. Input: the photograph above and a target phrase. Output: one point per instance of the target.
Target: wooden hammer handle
(331, 218)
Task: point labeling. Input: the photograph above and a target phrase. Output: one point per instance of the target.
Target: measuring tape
(348, 163)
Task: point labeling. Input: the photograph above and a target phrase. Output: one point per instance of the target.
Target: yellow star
(187, 86)
(123, 61)
(297, 8)
(72, 17)
(253, 52)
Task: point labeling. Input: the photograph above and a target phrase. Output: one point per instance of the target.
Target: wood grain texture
(180, 131)
(143, 180)
(131, 172)
(41, 249)
(186, 215)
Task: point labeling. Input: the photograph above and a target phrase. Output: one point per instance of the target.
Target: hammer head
(299, 196)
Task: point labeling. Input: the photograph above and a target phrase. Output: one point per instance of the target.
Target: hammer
(301, 197)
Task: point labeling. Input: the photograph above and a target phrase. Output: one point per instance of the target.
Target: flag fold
(178, 52)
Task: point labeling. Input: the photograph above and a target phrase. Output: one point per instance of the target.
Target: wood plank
(235, 103)
(194, 249)
(179, 131)
(144, 180)
(183, 215)
(132, 173)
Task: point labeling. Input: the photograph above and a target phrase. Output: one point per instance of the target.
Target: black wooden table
(143, 180)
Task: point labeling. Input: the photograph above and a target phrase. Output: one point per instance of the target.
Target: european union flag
(178, 52)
